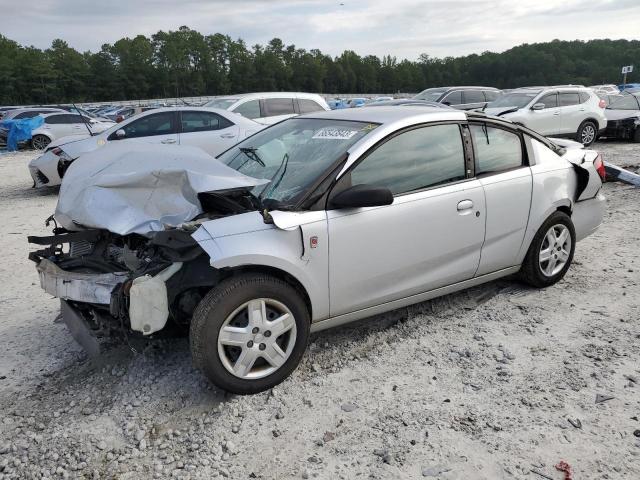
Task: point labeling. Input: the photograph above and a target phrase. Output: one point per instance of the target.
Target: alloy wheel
(40, 142)
(588, 134)
(257, 338)
(555, 250)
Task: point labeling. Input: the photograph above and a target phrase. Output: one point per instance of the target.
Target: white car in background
(210, 129)
(64, 124)
(609, 89)
(562, 111)
(270, 107)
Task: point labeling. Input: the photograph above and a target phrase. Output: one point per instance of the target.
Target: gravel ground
(496, 382)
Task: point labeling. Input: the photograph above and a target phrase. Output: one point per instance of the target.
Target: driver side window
(550, 101)
(413, 160)
(157, 124)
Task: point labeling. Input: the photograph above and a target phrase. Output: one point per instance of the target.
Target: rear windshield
(431, 94)
(519, 100)
(222, 103)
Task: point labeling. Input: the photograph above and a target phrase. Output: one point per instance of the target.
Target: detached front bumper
(79, 287)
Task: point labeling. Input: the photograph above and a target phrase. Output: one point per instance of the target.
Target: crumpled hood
(497, 111)
(141, 188)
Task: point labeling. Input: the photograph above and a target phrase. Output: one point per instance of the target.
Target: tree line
(187, 63)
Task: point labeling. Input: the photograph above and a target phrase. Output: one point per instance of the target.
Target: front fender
(301, 251)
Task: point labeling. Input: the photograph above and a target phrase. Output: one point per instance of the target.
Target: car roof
(269, 94)
(388, 115)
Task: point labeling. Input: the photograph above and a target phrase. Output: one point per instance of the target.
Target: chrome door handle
(227, 135)
(465, 205)
(168, 140)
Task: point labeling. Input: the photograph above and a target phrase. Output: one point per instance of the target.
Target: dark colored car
(623, 117)
(462, 98)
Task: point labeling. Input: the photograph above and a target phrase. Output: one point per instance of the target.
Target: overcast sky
(404, 28)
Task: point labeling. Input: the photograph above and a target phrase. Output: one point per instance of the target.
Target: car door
(160, 127)
(62, 125)
(209, 131)
(78, 127)
(572, 112)
(502, 170)
(429, 237)
(547, 120)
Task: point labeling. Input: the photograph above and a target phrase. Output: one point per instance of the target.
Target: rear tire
(40, 142)
(587, 133)
(249, 333)
(550, 253)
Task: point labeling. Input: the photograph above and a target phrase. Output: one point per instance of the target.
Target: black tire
(40, 142)
(587, 133)
(220, 303)
(531, 271)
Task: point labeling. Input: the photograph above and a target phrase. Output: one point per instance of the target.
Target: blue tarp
(20, 130)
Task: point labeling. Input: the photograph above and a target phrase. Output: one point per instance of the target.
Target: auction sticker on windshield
(331, 133)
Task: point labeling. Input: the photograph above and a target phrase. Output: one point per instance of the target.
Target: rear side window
(203, 122)
(491, 95)
(55, 120)
(250, 109)
(308, 106)
(26, 115)
(452, 98)
(550, 101)
(473, 96)
(151, 125)
(568, 99)
(584, 97)
(495, 149)
(279, 106)
(413, 160)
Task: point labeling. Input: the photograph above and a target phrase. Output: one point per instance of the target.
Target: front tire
(551, 252)
(587, 133)
(40, 142)
(249, 333)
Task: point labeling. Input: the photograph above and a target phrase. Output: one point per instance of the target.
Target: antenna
(83, 120)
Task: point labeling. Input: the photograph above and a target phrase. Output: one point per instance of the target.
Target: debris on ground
(619, 174)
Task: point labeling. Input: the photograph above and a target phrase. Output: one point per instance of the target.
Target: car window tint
(453, 98)
(156, 124)
(55, 120)
(250, 109)
(203, 122)
(623, 102)
(550, 101)
(568, 99)
(413, 160)
(279, 106)
(26, 115)
(473, 96)
(491, 95)
(72, 118)
(495, 149)
(308, 106)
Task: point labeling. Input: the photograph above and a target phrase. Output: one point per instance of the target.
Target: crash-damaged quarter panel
(300, 248)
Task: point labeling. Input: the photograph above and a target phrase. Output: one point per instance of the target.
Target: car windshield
(625, 102)
(431, 94)
(293, 154)
(520, 100)
(223, 103)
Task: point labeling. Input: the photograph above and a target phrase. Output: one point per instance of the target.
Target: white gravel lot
(497, 382)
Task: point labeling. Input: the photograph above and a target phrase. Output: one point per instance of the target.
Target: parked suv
(462, 98)
(270, 107)
(561, 111)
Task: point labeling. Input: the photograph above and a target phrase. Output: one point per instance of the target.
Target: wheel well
(564, 209)
(592, 120)
(275, 272)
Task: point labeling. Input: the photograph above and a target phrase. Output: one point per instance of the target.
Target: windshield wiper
(510, 110)
(252, 153)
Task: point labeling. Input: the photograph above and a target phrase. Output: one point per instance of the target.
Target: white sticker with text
(334, 134)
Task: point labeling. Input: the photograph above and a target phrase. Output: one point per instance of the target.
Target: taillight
(602, 104)
(119, 118)
(599, 164)
(57, 151)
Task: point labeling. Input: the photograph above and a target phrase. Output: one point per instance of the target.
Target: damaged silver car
(311, 223)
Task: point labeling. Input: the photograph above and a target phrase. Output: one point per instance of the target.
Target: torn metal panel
(141, 188)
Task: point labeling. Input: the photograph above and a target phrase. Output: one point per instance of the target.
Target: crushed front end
(113, 286)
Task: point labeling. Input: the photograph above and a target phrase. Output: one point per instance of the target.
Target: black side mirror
(360, 196)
